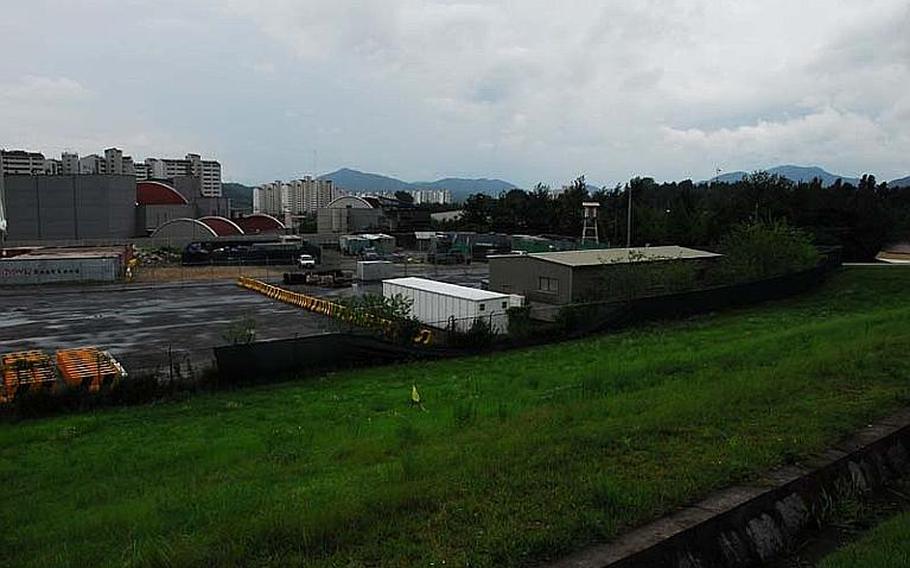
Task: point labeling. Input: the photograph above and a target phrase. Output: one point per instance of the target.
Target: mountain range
(241, 196)
(353, 180)
(806, 174)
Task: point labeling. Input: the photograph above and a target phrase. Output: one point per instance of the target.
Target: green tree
(404, 196)
(762, 249)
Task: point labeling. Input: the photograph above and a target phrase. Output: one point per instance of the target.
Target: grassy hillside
(886, 546)
(517, 456)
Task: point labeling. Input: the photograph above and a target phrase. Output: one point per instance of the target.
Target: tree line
(861, 219)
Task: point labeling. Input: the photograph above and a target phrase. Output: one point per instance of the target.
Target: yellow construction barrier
(327, 308)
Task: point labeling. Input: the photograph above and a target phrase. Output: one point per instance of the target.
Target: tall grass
(514, 457)
(886, 546)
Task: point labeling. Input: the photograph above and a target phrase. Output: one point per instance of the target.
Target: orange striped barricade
(25, 371)
(88, 368)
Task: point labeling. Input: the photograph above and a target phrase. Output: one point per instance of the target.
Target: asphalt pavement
(142, 323)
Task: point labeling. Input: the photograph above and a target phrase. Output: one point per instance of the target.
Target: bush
(642, 275)
(586, 318)
(366, 310)
(520, 324)
(241, 331)
(753, 251)
(478, 336)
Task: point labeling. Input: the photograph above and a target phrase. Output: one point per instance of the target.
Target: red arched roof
(260, 223)
(157, 193)
(224, 227)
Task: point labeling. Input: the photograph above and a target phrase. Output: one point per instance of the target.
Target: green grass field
(515, 457)
(886, 546)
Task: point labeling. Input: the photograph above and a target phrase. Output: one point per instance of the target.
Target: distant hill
(241, 196)
(900, 182)
(353, 180)
(794, 173)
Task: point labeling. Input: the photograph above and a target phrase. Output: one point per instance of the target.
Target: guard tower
(589, 230)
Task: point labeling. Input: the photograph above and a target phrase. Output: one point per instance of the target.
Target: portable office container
(372, 270)
(440, 304)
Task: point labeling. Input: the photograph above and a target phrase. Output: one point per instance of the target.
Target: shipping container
(48, 269)
(373, 270)
(441, 304)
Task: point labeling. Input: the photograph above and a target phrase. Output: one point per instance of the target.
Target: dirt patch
(213, 273)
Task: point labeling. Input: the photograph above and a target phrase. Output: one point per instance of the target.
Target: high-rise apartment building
(20, 162)
(52, 167)
(207, 171)
(115, 163)
(93, 164)
(431, 196)
(69, 163)
(267, 198)
(295, 197)
(142, 171)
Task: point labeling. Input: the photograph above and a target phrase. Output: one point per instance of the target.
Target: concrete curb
(750, 525)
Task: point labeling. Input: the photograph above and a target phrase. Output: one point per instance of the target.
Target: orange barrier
(25, 370)
(88, 367)
(327, 308)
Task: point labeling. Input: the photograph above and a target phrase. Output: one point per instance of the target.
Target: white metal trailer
(441, 304)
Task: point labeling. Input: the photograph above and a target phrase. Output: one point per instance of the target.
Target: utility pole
(629, 218)
(3, 222)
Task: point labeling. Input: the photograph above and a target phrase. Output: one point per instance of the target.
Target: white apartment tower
(431, 196)
(207, 171)
(92, 164)
(20, 162)
(52, 167)
(142, 171)
(295, 197)
(267, 198)
(69, 163)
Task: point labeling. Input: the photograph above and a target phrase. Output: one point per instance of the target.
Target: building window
(483, 307)
(548, 285)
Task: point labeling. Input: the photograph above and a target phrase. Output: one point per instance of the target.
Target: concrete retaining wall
(749, 525)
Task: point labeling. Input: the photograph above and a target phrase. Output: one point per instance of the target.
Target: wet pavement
(144, 322)
(139, 323)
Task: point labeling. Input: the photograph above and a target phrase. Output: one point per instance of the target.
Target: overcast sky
(526, 90)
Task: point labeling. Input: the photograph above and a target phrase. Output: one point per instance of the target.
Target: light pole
(629, 219)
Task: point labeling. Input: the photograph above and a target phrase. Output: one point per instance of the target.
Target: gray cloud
(529, 90)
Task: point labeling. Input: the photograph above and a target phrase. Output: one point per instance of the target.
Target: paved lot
(140, 324)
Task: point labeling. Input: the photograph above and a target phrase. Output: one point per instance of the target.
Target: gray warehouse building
(571, 276)
(70, 207)
(350, 214)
